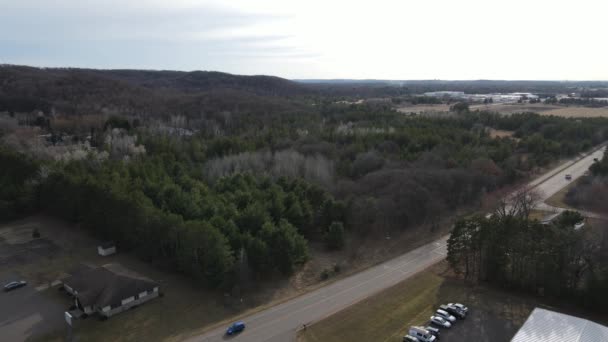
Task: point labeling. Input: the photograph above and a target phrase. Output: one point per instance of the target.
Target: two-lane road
(279, 323)
(549, 186)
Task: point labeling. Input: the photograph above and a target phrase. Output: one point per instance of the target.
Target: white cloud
(393, 39)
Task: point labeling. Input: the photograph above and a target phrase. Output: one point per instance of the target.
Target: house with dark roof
(109, 290)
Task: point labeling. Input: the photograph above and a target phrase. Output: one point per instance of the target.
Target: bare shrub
(287, 163)
(123, 145)
(7, 123)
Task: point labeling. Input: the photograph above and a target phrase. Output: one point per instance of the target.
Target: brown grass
(386, 316)
(498, 133)
(558, 199)
(424, 108)
(495, 314)
(578, 112)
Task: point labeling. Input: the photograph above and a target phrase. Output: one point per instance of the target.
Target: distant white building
(450, 94)
(550, 326)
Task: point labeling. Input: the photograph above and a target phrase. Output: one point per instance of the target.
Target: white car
(445, 315)
(440, 321)
(460, 306)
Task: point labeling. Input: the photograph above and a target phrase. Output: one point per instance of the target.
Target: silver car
(440, 321)
(445, 315)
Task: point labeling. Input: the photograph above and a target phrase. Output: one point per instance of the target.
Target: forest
(217, 176)
(512, 251)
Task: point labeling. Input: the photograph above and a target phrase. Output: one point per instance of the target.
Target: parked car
(408, 338)
(445, 315)
(454, 311)
(440, 321)
(460, 306)
(13, 285)
(568, 177)
(235, 328)
(422, 334)
(433, 331)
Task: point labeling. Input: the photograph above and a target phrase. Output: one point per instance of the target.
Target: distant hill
(77, 91)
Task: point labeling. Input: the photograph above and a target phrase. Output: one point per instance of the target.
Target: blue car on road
(235, 328)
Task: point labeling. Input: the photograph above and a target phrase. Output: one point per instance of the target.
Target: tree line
(548, 259)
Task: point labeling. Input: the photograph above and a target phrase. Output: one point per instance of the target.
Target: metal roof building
(550, 326)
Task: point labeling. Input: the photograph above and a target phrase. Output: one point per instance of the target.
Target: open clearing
(495, 315)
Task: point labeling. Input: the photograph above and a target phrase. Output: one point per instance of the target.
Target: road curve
(279, 323)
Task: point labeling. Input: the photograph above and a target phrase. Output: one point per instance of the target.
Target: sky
(315, 39)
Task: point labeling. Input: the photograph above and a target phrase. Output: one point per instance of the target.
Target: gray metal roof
(550, 326)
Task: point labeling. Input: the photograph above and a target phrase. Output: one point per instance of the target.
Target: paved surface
(279, 323)
(552, 182)
(25, 312)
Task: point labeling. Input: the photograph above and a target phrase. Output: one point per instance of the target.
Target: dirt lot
(494, 316)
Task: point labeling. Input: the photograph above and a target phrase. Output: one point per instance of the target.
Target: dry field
(424, 108)
(578, 112)
(544, 109)
(510, 108)
(499, 133)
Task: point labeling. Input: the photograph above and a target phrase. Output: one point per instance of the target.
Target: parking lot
(480, 325)
(25, 312)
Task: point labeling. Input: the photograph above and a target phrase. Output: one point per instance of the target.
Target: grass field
(578, 112)
(496, 315)
(558, 200)
(510, 108)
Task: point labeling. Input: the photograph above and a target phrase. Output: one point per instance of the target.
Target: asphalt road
(557, 181)
(279, 323)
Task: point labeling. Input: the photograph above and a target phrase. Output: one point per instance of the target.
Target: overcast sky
(382, 39)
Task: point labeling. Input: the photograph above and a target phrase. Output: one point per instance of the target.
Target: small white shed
(106, 248)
